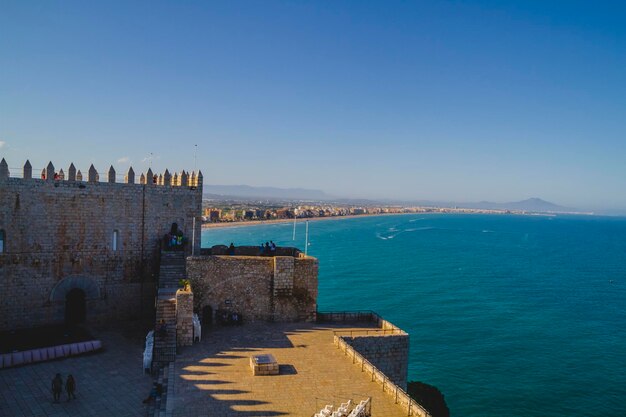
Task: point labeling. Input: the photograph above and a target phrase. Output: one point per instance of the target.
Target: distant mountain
(537, 204)
(531, 204)
(247, 191)
(275, 193)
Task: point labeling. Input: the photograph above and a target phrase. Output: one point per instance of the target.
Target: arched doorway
(75, 308)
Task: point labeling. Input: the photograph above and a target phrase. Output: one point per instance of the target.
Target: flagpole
(306, 239)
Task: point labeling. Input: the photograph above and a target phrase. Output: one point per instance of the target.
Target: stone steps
(165, 342)
(172, 269)
(159, 406)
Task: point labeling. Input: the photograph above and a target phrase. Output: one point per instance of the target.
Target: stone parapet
(382, 353)
(249, 286)
(404, 400)
(389, 353)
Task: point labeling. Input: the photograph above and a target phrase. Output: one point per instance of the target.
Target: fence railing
(366, 316)
(360, 316)
(386, 328)
(369, 332)
(164, 354)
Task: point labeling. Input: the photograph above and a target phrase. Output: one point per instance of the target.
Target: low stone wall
(250, 251)
(383, 353)
(389, 353)
(412, 407)
(8, 360)
(257, 287)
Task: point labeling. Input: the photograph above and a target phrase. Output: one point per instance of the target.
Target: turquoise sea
(508, 315)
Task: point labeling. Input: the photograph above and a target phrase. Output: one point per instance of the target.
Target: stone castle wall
(389, 353)
(259, 288)
(59, 235)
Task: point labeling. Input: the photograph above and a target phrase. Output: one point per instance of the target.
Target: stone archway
(75, 307)
(88, 285)
(73, 293)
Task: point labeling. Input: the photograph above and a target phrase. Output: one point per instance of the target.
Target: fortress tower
(75, 249)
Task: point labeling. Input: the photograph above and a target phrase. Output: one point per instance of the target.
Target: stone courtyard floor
(109, 383)
(210, 378)
(213, 377)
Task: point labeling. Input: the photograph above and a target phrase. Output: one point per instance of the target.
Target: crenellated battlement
(101, 229)
(184, 178)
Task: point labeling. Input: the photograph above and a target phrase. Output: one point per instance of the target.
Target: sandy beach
(274, 221)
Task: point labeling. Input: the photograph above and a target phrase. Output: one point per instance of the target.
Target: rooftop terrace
(215, 374)
(212, 377)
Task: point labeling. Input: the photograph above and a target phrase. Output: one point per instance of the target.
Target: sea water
(508, 315)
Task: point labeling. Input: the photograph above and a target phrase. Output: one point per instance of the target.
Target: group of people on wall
(267, 249)
(174, 240)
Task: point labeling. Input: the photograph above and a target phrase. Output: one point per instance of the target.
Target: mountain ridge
(243, 191)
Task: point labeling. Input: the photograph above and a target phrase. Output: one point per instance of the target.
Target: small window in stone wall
(116, 240)
(2, 241)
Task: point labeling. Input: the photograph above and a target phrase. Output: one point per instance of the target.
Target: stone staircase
(165, 334)
(172, 269)
(158, 408)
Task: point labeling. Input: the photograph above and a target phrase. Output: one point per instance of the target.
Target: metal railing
(400, 396)
(369, 332)
(360, 316)
(367, 316)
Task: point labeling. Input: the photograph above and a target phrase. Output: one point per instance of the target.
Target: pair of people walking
(57, 387)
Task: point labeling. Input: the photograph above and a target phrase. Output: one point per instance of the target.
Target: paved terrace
(108, 383)
(213, 377)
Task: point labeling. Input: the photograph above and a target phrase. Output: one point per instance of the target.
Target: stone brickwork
(283, 275)
(401, 398)
(245, 284)
(388, 353)
(184, 314)
(92, 235)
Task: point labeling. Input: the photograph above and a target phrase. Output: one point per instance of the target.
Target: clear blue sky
(452, 100)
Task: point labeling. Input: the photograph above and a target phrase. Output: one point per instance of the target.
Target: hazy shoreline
(277, 221)
(353, 216)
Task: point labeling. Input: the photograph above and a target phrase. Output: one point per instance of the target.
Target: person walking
(70, 387)
(57, 387)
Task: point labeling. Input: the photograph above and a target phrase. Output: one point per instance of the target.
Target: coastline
(353, 216)
(312, 219)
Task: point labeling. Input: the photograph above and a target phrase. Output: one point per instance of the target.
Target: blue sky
(451, 100)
